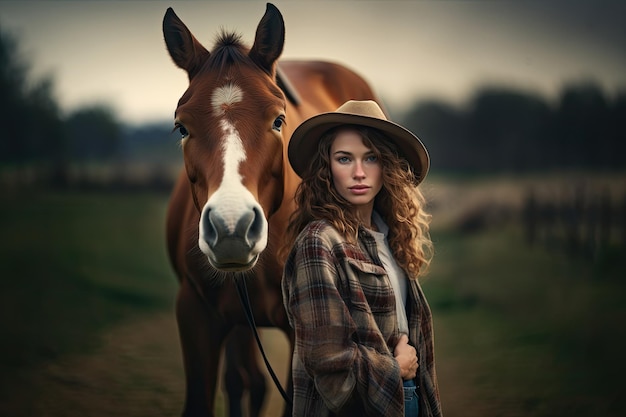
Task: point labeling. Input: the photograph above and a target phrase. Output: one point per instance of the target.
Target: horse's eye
(278, 123)
(183, 131)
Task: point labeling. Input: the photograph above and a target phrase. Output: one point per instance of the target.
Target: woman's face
(356, 171)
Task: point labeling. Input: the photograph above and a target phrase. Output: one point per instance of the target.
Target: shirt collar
(380, 223)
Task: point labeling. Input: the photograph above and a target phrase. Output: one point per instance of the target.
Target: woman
(356, 245)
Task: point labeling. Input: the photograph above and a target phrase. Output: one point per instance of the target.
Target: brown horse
(231, 203)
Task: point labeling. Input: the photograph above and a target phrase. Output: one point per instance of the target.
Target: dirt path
(137, 372)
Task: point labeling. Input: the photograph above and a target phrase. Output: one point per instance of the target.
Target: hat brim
(304, 140)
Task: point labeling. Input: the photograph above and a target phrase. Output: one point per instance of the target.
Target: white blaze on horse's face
(233, 229)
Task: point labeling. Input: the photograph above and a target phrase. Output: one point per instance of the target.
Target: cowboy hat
(304, 140)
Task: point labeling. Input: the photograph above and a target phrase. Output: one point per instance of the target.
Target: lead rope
(242, 289)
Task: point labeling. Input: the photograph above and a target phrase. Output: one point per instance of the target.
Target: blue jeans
(411, 400)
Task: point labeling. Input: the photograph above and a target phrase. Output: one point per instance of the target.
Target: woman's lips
(359, 189)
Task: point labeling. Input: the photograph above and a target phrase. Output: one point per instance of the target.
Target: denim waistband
(411, 399)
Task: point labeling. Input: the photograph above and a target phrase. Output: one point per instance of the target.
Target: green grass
(541, 333)
(73, 264)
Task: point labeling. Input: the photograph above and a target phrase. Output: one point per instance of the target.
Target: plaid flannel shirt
(342, 307)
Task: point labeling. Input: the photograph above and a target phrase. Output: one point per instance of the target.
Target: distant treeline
(33, 129)
(501, 130)
(512, 131)
(39, 144)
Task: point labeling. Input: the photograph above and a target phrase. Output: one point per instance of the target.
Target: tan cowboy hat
(304, 140)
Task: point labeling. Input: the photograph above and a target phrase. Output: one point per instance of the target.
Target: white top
(397, 276)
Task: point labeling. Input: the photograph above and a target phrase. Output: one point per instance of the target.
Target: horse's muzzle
(232, 242)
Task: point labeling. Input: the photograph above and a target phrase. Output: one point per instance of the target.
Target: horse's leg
(258, 386)
(201, 339)
(235, 382)
(243, 372)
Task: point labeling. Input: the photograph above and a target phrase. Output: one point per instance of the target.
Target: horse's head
(230, 119)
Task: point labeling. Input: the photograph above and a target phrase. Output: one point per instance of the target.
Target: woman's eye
(372, 158)
(278, 123)
(343, 159)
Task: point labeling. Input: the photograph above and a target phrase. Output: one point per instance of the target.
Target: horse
(232, 200)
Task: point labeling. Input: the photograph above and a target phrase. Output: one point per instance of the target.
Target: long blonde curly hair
(400, 202)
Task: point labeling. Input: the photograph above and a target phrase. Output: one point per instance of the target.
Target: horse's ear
(183, 47)
(269, 40)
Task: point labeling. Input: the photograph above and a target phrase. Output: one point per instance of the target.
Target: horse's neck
(288, 88)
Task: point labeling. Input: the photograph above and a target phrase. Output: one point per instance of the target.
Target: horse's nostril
(256, 228)
(250, 226)
(209, 229)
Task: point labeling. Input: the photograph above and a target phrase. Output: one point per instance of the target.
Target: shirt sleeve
(344, 370)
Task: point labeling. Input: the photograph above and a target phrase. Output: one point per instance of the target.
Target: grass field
(73, 265)
(86, 296)
(536, 333)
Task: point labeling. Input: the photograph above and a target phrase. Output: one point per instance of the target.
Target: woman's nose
(359, 172)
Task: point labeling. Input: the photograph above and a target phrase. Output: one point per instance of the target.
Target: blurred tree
(32, 129)
(582, 121)
(94, 133)
(34, 133)
(442, 129)
(508, 130)
(616, 157)
(12, 103)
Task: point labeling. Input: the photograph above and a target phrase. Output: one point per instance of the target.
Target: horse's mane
(229, 50)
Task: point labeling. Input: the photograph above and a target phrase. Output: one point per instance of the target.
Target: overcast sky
(113, 51)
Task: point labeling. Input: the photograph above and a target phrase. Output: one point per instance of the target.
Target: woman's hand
(406, 356)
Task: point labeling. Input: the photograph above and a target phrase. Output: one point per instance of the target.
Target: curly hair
(400, 203)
